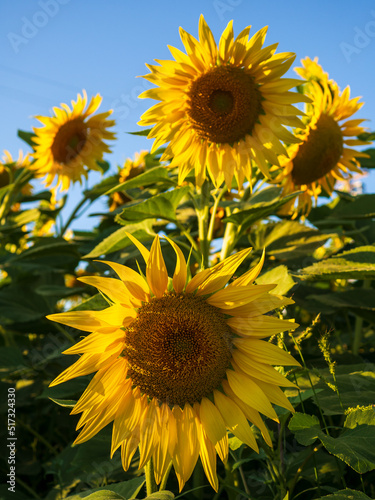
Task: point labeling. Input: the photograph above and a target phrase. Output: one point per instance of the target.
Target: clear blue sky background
(52, 49)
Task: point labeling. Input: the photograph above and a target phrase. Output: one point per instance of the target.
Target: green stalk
(213, 215)
(203, 213)
(151, 486)
(73, 216)
(229, 240)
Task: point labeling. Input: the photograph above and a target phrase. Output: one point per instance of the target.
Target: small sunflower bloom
(222, 107)
(8, 170)
(131, 169)
(71, 142)
(179, 362)
(9, 166)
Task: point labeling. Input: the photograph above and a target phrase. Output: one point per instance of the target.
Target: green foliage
(357, 263)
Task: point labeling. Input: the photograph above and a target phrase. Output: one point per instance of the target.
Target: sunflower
(71, 140)
(131, 169)
(9, 166)
(222, 106)
(179, 363)
(324, 155)
(8, 171)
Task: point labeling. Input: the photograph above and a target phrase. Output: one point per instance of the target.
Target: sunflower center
(319, 154)
(69, 141)
(178, 349)
(224, 104)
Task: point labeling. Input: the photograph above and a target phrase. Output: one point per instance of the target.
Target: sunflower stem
(203, 215)
(211, 226)
(73, 216)
(229, 240)
(151, 486)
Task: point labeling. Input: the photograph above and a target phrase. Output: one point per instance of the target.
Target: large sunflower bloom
(178, 364)
(71, 140)
(325, 154)
(222, 106)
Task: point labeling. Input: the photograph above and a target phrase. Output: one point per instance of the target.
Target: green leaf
(161, 495)
(355, 447)
(280, 276)
(355, 383)
(20, 219)
(46, 247)
(20, 304)
(359, 207)
(42, 195)
(368, 162)
(290, 240)
(246, 218)
(27, 137)
(151, 176)
(358, 298)
(160, 206)
(360, 416)
(105, 494)
(346, 494)
(66, 390)
(118, 240)
(126, 490)
(235, 443)
(69, 403)
(58, 291)
(367, 136)
(101, 188)
(94, 303)
(144, 132)
(10, 359)
(268, 195)
(104, 166)
(358, 263)
(305, 428)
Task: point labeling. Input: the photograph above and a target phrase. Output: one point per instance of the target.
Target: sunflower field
(213, 336)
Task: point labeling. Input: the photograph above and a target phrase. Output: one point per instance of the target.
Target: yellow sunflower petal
(144, 252)
(231, 297)
(235, 420)
(265, 352)
(260, 326)
(221, 273)
(114, 289)
(135, 283)
(214, 427)
(156, 272)
(208, 457)
(180, 273)
(250, 393)
(186, 450)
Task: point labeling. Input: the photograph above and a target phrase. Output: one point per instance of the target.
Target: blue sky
(52, 49)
